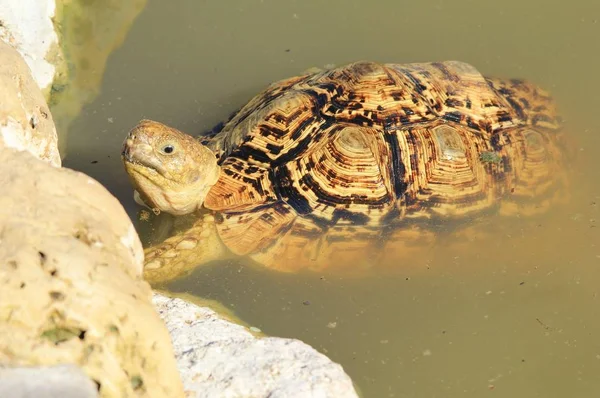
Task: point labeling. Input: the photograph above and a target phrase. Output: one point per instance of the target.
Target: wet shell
(336, 160)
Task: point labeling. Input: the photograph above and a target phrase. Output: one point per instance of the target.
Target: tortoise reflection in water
(318, 168)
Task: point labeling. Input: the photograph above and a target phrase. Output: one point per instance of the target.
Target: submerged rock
(218, 358)
(88, 31)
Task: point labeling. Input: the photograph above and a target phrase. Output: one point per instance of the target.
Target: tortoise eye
(168, 149)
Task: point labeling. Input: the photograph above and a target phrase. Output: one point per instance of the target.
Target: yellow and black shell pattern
(333, 161)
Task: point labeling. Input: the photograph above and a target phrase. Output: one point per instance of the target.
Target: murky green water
(514, 316)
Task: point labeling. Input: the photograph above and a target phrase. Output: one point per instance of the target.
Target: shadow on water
(513, 313)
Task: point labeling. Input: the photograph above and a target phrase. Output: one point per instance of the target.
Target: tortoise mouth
(126, 154)
(141, 155)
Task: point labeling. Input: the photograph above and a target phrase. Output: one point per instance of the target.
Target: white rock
(27, 26)
(25, 120)
(218, 358)
(70, 290)
(63, 381)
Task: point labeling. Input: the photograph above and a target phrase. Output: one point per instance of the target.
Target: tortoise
(320, 168)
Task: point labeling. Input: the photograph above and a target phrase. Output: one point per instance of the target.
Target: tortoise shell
(334, 162)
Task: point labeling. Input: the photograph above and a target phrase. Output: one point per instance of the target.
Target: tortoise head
(171, 171)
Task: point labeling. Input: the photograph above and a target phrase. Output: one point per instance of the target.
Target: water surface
(515, 315)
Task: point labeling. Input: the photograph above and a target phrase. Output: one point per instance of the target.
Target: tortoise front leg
(180, 254)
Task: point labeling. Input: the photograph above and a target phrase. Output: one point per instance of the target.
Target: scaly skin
(180, 254)
(170, 170)
(177, 183)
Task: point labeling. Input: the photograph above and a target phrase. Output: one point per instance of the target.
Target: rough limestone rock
(62, 381)
(70, 282)
(27, 26)
(25, 120)
(220, 359)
